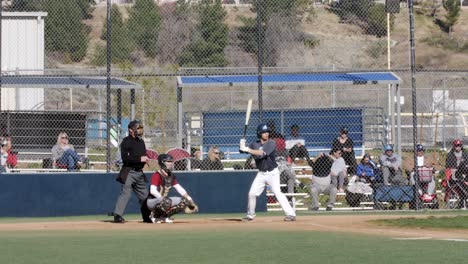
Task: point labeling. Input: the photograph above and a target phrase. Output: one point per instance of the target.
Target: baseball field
(323, 237)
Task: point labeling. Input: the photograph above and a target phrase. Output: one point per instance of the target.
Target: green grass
(456, 222)
(230, 245)
(219, 246)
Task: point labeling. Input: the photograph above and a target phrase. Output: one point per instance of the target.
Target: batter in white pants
(271, 178)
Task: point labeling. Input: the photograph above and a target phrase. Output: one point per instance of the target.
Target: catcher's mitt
(191, 208)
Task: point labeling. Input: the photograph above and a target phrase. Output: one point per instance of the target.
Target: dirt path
(358, 224)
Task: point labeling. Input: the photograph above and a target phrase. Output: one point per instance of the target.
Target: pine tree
(453, 13)
(26, 5)
(144, 25)
(64, 30)
(120, 43)
(207, 50)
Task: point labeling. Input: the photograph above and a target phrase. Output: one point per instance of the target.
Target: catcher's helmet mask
(165, 162)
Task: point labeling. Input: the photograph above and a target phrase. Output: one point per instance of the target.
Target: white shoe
(153, 219)
(248, 218)
(168, 221)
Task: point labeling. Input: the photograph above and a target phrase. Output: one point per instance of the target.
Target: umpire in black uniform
(131, 176)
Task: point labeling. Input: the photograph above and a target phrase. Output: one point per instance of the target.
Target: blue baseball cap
(388, 148)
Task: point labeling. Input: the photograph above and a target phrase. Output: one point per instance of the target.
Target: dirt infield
(358, 224)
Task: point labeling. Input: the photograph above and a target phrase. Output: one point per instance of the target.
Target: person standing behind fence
(213, 161)
(64, 154)
(346, 145)
(264, 152)
(131, 176)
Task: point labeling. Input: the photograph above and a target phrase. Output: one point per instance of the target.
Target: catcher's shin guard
(161, 208)
(180, 207)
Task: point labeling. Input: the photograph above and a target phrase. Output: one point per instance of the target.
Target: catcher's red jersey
(163, 183)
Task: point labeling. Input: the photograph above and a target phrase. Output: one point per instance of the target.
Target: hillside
(341, 45)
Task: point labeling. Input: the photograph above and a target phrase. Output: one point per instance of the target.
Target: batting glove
(242, 146)
(242, 142)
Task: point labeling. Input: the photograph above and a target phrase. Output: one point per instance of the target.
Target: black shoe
(329, 208)
(119, 219)
(314, 209)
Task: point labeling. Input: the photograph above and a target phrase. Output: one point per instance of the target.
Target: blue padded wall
(41, 195)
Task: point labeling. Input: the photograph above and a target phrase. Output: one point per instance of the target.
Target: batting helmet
(262, 128)
(164, 158)
(419, 147)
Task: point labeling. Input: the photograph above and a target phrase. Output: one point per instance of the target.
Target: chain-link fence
(76, 72)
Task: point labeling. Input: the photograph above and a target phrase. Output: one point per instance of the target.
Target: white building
(22, 53)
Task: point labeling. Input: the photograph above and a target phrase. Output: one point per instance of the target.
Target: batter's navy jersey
(266, 162)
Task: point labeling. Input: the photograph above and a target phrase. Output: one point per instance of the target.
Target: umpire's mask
(137, 128)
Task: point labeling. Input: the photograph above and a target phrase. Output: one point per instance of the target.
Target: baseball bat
(247, 117)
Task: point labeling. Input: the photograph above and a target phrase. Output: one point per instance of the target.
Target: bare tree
(175, 36)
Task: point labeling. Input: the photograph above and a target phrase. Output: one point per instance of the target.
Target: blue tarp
(291, 79)
(38, 81)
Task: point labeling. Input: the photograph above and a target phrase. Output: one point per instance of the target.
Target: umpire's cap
(134, 124)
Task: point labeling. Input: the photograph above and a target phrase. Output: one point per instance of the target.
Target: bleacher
(34, 133)
(319, 127)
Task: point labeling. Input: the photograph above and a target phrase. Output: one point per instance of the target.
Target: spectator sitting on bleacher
(359, 185)
(12, 159)
(3, 156)
(455, 157)
(321, 182)
(346, 145)
(365, 170)
(64, 154)
(391, 167)
(287, 176)
(196, 159)
(295, 144)
(278, 138)
(426, 163)
(213, 161)
(338, 171)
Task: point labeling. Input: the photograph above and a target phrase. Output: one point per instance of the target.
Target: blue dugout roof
(291, 79)
(38, 81)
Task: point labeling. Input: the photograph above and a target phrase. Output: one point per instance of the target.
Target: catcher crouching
(161, 207)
